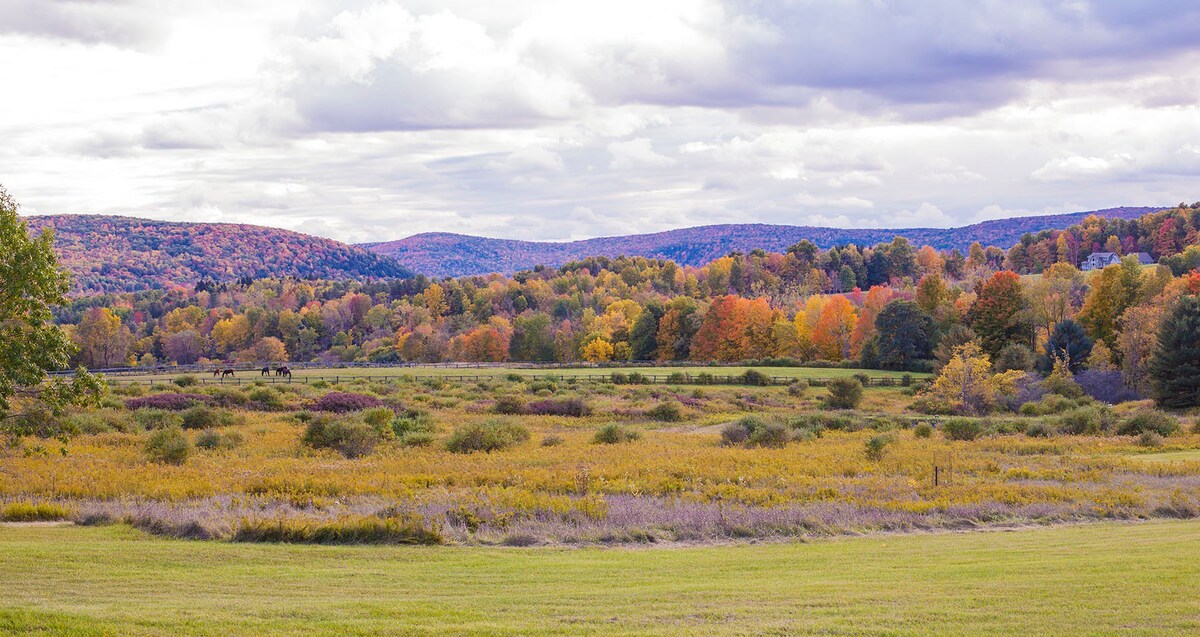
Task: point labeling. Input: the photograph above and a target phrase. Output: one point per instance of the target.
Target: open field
(1102, 579)
(556, 372)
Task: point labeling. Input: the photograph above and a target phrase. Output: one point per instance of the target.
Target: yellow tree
(835, 329)
(597, 350)
(102, 339)
(966, 381)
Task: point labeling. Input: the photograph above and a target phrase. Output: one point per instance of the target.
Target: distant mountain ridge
(440, 254)
(125, 254)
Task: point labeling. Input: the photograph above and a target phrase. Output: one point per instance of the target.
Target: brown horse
(216, 372)
(284, 371)
(228, 372)
(266, 371)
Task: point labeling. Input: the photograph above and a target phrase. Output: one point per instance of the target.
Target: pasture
(1100, 579)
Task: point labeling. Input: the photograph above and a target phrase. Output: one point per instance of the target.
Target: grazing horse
(266, 371)
(284, 371)
(216, 372)
(228, 372)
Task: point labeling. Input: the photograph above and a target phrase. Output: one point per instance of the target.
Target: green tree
(30, 343)
(904, 332)
(643, 336)
(1175, 367)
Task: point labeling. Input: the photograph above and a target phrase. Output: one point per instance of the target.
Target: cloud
(121, 23)
(636, 153)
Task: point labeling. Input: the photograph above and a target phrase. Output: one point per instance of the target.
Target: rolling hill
(439, 254)
(122, 254)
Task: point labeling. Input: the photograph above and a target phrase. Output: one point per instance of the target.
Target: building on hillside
(1101, 260)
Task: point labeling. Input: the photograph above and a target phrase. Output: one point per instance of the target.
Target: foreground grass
(1103, 579)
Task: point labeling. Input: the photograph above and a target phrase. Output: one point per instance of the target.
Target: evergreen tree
(1175, 368)
(1069, 342)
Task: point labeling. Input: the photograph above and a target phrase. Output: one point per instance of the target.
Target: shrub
(961, 429)
(844, 393)
(705, 378)
(755, 377)
(380, 419)
(33, 512)
(490, 435)
(676, 378)
(351, 439)
(210, 439)
(862, 379)
(797, 388)
(1039, 430)
(1086, 420)
(1149, 420)
(414, 428)
(185, 381)
(227, 396)
(771, 434)
(923, 430)
(417, 439)
(876, 447)
(1150, 439)
(906, 380)
(343, 402)
(667, 411)
(171, 402)
(205, 417)
(615, 433)
(574, 407)
(168, 446)
(513, 377)
(735, 433)
(509, 405)
(552, 441)
(266, 398)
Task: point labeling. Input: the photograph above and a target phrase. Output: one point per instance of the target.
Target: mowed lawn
(1100, 579)
(455, 372)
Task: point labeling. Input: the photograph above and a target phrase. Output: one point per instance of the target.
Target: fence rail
(621, 379)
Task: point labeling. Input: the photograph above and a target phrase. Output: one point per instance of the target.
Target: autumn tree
(31, 345)
(102, 339)
(999, 315)
(643, 336)
(1136, 342)
(1114, 290)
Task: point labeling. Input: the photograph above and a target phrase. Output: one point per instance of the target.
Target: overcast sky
(368, 121)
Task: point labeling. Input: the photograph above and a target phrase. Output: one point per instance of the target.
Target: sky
(558, 119)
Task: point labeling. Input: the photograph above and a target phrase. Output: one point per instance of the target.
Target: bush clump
(339, 402)
(962, 429)
(490, 435)
(414, 428)
(875, 448)
(509, 405)
(349, 438)
(797, 388)
(210, 439)
(667, 411)
(168, 446)
(844, 393)
(552, 441)
(1149, 420)
(205, 417)
(615, 433)
(350, 529)
(755, 377)
(1090, 420)
(923, 430)
(186, 381)
(574, 407)
(169, 401)
(753, 431)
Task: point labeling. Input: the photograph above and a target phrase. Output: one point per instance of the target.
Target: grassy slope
(1098, 579)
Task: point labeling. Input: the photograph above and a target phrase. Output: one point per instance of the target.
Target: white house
(1101, 260)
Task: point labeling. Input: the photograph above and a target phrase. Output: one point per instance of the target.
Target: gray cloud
(118, 22)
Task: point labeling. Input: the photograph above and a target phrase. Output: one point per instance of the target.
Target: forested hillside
(441, 254)
(123, 254)
(891, 305)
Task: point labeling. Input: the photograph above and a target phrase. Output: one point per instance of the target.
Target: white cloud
(564, 118)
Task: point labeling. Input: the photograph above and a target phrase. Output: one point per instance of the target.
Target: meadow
(520, 461)
(1102, 579)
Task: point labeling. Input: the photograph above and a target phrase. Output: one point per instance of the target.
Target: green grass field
(368, 372)
(1190, 455)
(1100, 579)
